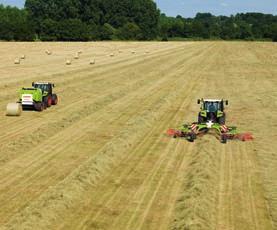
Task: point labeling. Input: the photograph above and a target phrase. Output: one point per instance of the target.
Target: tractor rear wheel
(49, 101)
(54, 99)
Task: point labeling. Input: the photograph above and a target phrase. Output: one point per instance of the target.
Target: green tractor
(38, 97)
(212, 111)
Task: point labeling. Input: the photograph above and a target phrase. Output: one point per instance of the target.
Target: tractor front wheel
(200, 119)
(191, 137)
(223, 139)
(221, 120)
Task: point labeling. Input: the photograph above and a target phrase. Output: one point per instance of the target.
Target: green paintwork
(36, 93)
(203, 113)
(219, 114)
(199, 127)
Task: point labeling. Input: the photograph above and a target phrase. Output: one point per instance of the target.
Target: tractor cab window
(43, 87)
(212, 106)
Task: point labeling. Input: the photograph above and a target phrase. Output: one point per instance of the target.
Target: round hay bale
(92, 62)
(80, 52)
(112, 55)
(17, 61)
(48, 52)
(76, 56)
(14, 109)
(23, 56)
(133, 52)
(68, 62)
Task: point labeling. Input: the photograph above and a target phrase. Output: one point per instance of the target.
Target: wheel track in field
(61, 145)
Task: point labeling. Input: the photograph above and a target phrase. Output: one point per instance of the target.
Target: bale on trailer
(14, 109)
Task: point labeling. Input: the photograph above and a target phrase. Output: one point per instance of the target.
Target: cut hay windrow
(195, 207)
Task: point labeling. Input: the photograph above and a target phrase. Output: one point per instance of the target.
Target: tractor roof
(29, 88)
(42, 83)
(212, 100)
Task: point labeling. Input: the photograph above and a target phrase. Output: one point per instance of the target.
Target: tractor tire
(200, 119)
(221, 120)
(223, 139)
(49, 101)
(39, 106)
(54, 99)
(191, 137)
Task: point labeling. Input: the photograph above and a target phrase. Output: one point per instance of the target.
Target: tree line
(86, 20)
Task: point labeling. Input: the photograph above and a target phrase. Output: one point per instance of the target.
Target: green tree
(130, 31)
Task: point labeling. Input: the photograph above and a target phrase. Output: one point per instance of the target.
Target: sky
(188, 8)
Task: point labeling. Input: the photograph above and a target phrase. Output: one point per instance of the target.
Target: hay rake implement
(223, 132)
(211, 119)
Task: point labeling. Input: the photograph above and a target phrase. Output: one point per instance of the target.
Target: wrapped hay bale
(14, 109)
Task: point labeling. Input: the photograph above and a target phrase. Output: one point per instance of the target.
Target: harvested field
(101, 159)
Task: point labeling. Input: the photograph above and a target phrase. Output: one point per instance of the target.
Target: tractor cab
(212, 110)
(44, 86)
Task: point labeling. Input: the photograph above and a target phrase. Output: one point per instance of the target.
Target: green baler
(39, 97)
